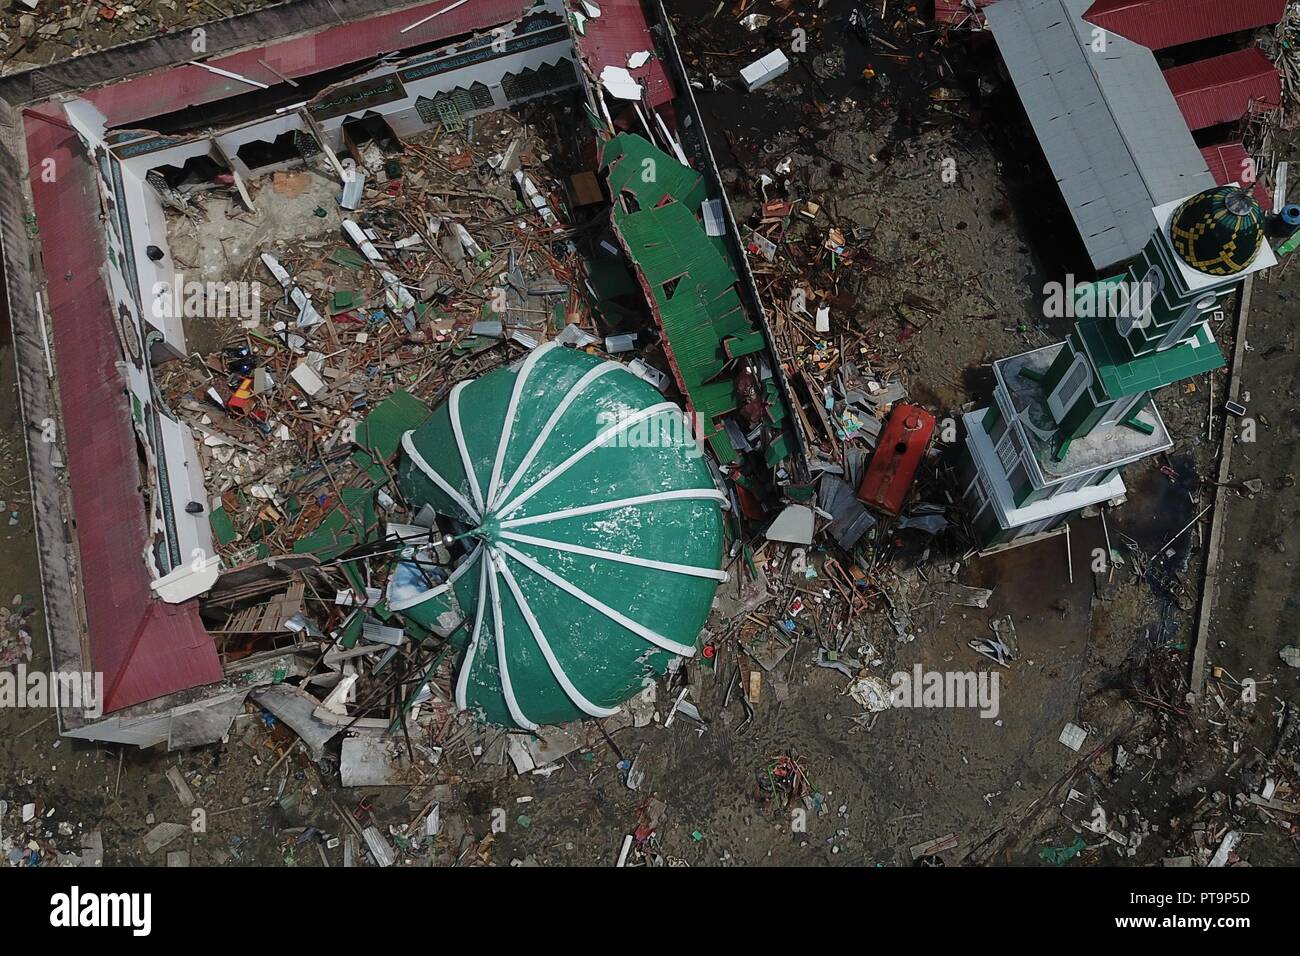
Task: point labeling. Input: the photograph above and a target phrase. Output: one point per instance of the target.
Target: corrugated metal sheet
(172, 89)
(689, 282)
(1164, 23)
(143, 647)
(1225, 88)
(621, 30)
(1228, 163)
(1108, 124)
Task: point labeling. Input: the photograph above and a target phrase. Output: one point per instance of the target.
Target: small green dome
(1218, 231)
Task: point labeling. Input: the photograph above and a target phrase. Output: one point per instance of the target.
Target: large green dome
(594, 531)
(1218, 231)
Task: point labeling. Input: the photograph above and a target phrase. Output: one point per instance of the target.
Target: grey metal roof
(1106, 119)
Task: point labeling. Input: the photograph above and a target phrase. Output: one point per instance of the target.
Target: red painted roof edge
(621, 30)
(145, 649)
(165, 91)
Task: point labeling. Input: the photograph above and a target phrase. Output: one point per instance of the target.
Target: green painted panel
(637, 166)
(223, 529)
(351, 522)
(381, 431)
(1123, 375)
(689, 274)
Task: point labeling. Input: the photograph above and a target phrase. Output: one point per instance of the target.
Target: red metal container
(893, 467)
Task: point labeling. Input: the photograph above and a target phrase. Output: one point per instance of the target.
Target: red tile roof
(143, 647)
(1225, 88)
(1229, 163)
(166, 91)
(1164, 23)
(621, 30)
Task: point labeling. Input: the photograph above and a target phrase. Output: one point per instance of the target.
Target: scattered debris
(1073, 736)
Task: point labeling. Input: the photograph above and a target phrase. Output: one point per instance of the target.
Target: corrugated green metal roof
(637, 166)
(691, 277)
(745, 343)
(693, 288)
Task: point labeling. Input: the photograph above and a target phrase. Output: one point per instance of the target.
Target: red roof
(621, 30)
(168, 90)
(1164, 23)
(143, 647)
(953, 11)
(1229, 163)
(1225, 88)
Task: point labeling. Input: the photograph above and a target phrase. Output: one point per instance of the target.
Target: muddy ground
(1105, 650)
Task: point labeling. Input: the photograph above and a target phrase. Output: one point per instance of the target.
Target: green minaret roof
(1218, 231)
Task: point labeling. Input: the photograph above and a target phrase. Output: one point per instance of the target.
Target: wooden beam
(1210, 586)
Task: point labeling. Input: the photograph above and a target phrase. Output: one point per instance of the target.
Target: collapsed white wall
(132, 217)
(502, 64)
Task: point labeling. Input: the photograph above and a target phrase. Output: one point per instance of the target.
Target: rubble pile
(441, 273)
(42, 31)
(34, 834)
(1280, 44)
(1180, 783)
(15, 631)
(457, 253)
(1266, 133)
(439, 259)
(1255, 788)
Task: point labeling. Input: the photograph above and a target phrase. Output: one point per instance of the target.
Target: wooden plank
(1210, 587)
